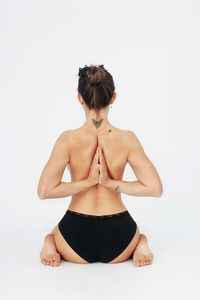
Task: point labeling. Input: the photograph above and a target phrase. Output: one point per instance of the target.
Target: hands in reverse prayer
(98, 171)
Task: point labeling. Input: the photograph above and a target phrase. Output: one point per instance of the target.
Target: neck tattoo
(117, 188)
(97, 124)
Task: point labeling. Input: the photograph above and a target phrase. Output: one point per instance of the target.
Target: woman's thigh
(65, 250)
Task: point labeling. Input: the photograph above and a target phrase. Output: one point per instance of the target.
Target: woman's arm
(50, 184)
(65, 189)
(148, 183)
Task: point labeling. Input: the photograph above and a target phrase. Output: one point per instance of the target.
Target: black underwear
(98, 238)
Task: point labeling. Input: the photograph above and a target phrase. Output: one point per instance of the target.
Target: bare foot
(142, 255)
(49, 255)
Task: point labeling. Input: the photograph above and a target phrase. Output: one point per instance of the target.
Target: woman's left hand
(104, 177)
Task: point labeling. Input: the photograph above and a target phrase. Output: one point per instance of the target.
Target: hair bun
(93, 74)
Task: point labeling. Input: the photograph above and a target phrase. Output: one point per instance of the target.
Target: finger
(98, 150)
(95, 159)
(102, 159)
(96, 156)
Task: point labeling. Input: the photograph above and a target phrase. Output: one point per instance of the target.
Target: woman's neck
(96, 120)
(96, 123)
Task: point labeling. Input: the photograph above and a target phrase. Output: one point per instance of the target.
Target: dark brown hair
(96, 86)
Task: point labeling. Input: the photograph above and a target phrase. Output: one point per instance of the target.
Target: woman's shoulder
(131, 135)
(66, 133)
(127, 133)
(73, 136)
(66, 136)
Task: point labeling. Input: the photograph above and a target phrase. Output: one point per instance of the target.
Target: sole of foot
(48, 255)
(142, 255)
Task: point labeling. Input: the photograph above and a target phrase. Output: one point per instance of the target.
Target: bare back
(75, 149)
(84, 142)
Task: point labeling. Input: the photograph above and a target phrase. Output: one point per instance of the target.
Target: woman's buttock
(85, 238)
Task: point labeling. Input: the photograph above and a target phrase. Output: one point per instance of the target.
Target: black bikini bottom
(98, 238)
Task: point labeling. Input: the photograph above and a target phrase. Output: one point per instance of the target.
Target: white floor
(174, 273)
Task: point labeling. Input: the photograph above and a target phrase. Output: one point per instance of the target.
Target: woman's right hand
(94, 169)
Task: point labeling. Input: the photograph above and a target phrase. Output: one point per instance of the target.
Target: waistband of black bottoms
(96, 216)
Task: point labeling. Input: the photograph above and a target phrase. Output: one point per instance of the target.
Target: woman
(97, 225)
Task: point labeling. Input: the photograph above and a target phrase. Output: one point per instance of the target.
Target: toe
(136, 263)
(53, 262)
(43, 261)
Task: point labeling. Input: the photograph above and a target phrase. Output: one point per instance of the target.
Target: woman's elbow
(42, 193)
(42, 196)
(158, 191)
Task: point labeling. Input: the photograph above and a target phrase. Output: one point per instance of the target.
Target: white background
(152, 50)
